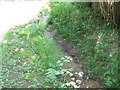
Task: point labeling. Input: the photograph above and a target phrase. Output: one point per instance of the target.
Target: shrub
(97, 40)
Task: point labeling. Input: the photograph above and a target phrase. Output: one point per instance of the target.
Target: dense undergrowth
(30, 59)
(97, 40)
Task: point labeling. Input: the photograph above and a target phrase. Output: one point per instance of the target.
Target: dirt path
(77, 63)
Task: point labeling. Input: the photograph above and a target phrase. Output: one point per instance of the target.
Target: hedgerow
(97, 40)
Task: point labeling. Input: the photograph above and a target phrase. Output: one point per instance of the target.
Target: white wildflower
(58, 61)
(66, 56)
(110, 55)
(70, 74)
(98, 42)
(75, 86)
(73, 78)
(62, 72)
(67, 72)
(80, 74)
(61, 64)
(71, 59)
(10, 53)
(66, 60)
(76, 72)
(67, 84)
(99, 36)
(78, 81)
(72, 83)
(22, 49)
(62, 58)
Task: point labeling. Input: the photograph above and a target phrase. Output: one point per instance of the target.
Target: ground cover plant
(97, 40)
(23, 46)
(30, 59)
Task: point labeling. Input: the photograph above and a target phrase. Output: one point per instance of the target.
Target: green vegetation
(30, 59)
(97, 40)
